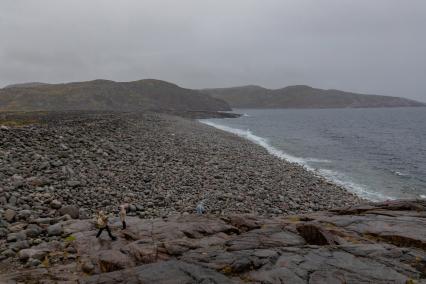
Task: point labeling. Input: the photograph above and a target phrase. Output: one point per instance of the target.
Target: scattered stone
(34, 262)
(8, 253)
(13, 237)
(33, 231)
(55, 204)
(54, 230)
(17, 246)
(24, 214)
(70, 210)
(3, 232)
(9, 215)
(26, 254)
(87, 267)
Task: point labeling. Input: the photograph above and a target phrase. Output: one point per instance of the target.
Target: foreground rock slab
(374, 243)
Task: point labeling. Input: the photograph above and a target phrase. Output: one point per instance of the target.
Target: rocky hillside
(106, 95)
(25, 85)
(374, 243)
(303, 97)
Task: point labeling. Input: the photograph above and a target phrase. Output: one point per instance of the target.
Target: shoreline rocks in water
(371, 243)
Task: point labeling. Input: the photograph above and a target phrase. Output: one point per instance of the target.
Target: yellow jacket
(102, 220)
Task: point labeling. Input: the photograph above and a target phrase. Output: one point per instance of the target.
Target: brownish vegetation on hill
(303, 97)
(107, 95)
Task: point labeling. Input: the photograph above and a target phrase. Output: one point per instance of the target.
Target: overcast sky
(368, 46)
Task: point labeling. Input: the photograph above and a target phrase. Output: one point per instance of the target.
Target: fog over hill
(301, 96)
(139, 95)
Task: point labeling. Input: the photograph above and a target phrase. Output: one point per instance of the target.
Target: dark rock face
(339, 246)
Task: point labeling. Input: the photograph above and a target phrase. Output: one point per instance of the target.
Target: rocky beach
(57, 169)
(160, 164)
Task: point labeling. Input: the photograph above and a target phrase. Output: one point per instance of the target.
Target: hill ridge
(304, 96)
(100, 94)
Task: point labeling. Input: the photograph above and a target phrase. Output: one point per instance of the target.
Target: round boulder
(71, 210)
(55, 204)
(33, 231)
(54, 230)
(9, 215)
(26, 254)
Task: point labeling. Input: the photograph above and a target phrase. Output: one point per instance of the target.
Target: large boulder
(9, 215)
(26, 254)
(24, 214)
(71, 210)
(55, 204)
(55, 230)
(14, 237)
(33, 231)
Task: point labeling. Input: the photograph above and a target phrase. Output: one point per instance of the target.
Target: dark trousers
(108, 230)
(124, 225)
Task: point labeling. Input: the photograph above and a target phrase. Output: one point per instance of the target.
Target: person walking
(200, 208)
(102, 221)
(122, 214)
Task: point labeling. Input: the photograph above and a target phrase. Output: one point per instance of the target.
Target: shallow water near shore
(377, 153)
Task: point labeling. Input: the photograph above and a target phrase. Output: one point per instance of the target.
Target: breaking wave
(332, 176)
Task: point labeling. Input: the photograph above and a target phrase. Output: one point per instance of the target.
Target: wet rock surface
(336, 246)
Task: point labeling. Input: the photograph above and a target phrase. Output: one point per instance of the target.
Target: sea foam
(331, 176)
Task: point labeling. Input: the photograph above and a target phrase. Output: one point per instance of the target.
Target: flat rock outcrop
(371, 243)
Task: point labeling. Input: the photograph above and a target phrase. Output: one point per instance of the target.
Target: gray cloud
(357, 45)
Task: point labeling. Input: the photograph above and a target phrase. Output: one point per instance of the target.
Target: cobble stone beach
(58, 169)
(158, 163)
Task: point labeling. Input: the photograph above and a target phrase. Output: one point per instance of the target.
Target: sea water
(377, 153)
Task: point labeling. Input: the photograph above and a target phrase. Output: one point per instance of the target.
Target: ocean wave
(332, 176)
(359, 189)
(314, 160)
(247, 134)
(422, 196)
(400, 174)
